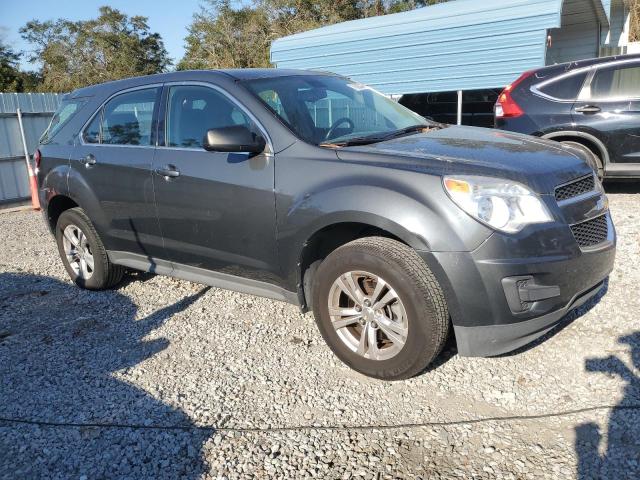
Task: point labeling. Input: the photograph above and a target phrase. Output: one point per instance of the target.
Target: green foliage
(222, 36)
(9, 73)
(110, 47)
(12, 79)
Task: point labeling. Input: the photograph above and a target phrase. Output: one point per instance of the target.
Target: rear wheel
(593, 159)
(379, 308)
(82, 252)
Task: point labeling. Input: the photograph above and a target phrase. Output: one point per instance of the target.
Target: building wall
(579, 35)
(37, 110)
(619, 32)
(464, 44)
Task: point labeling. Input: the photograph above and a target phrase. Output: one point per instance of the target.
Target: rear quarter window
(566, 88)
(65, 112)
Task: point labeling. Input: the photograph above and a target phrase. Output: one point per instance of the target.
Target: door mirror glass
(237, 138)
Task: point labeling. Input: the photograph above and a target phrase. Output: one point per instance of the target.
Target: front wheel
(380, 309)
(82, 252)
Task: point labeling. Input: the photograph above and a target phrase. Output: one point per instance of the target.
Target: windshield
(325, 109)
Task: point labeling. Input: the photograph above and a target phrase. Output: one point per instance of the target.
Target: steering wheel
(336, 124)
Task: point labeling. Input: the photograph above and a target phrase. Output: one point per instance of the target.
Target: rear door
(610, 104)
(216, 210)
(112, 163)
(552, 108)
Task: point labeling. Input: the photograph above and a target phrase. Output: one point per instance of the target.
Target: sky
(169, 18)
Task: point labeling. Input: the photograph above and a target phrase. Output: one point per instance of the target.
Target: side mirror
(233, 139)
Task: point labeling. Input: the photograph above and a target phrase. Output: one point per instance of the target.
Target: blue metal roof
(458, 45)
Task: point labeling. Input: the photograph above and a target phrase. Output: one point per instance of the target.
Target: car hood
(537, 163)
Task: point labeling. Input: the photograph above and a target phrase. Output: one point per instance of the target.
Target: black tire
(105, 274)
(418, 290)
(593, 158)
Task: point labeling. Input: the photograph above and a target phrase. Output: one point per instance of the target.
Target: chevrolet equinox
(316, 190)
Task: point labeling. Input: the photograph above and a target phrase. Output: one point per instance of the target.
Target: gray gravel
(169, 379)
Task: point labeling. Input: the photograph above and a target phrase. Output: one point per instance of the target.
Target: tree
(110, 47)
(222, 36)
(12, 79)
(634, 33)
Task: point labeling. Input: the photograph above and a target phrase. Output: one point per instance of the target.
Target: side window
(92, 132)
(272, 99)
(566, 88)
(126, 119)
(193, 109)
(616, 82)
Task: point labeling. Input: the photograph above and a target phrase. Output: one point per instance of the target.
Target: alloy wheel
(78, 251)
(368, 315)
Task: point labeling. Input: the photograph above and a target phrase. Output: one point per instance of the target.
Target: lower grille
(591, 232)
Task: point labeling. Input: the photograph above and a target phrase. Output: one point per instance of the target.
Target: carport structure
(458, 45)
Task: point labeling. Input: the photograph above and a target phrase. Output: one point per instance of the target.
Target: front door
(216, 210)
(611, 106)
(113, 158)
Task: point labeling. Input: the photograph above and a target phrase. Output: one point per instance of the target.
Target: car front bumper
(510, 291)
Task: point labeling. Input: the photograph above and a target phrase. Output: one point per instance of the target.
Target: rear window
(64, 113)
(566, 88)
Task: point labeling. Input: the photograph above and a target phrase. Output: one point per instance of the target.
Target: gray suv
(319, 191)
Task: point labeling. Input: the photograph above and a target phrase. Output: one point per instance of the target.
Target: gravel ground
(164, 378)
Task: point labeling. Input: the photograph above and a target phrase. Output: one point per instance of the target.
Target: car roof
(565, 67)
(237, 74)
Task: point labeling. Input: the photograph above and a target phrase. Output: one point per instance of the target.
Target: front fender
(424, 219)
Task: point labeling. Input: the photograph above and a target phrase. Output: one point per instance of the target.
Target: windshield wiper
(368, 139)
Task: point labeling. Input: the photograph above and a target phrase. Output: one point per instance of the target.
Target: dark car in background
(591, 105)
(316, 190)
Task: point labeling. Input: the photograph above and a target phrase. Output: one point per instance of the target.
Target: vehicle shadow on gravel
(621, 443)
(622, 186)
(60, 351)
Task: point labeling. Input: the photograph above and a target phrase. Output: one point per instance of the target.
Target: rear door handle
(588, 109)
(88, 161)
(168, 171)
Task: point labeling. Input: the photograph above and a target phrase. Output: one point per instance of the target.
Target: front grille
(575, 188)
(591, 232)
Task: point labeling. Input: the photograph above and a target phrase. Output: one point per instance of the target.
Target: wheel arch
(57, 206)
(587, 139)
(337, 232)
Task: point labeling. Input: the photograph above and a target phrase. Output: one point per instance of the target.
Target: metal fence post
(35, 202)
(459, 116)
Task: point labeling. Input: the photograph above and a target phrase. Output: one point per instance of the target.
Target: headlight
(500, 204)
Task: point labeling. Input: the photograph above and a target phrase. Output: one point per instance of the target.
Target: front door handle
(588, 109)
(168, 171)
(88, 161)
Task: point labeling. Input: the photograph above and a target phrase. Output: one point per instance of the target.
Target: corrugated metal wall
(37, 109)
(463, 44)
(458, 45)
(579, 35)
(618, 35)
